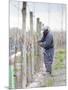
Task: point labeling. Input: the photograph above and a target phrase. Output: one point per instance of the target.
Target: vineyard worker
(47, 43)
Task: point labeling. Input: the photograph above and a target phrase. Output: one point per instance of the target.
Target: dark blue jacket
(48, 45)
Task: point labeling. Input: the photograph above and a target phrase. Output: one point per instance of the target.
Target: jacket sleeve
(47, 42)
(42, 40)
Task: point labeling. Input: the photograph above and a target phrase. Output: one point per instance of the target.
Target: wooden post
(40, 49)
(35, 52)
(37, 61)
(40, 29)
(24, 78)
(31, 51)
(15, 75)
(32, 41)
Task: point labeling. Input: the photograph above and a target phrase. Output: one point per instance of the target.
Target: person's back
(47, 43)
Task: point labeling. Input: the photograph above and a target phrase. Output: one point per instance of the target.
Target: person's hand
(40, 43)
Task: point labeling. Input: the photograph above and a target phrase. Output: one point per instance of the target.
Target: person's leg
(48, 64)
(45, 62)
(48, 67)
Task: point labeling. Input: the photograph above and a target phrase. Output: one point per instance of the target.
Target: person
(47, 43)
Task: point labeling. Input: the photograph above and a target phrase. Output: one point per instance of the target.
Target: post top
(24, 6)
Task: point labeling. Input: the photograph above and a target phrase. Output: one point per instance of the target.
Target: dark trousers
(48, 64)
(48, 67)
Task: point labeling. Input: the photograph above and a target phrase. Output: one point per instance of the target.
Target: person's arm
(42, 39)
(47, 42)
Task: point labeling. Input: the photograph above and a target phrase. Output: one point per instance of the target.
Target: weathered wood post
(31, 51)
(35, 52)
(40, 49)
(17, 65)
(24, 76)
(32, 41)
(38, 20)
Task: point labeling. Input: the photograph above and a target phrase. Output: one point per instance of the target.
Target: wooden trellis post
(15, 64)
(30, 53)
(40, 49)
(35, 52)
(24, 76)
(32, 41)
(38, 35)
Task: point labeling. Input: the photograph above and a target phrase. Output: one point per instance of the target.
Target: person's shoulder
(50, 34)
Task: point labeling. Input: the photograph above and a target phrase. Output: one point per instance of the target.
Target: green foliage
(50, 82)
(60, 57)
